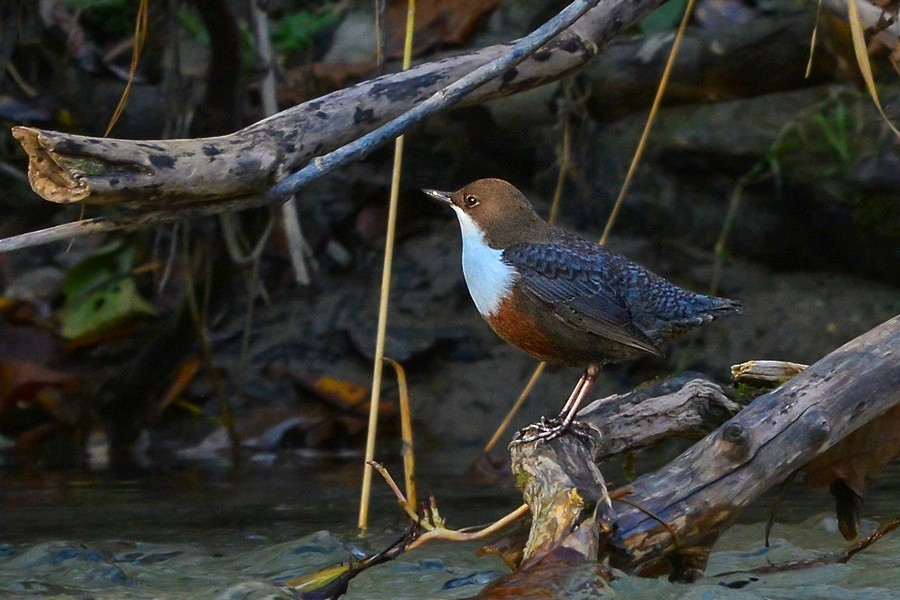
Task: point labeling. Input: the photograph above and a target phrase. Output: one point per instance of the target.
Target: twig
(651, 118)
(841, 557)
(434, 524)
(17, 77)
(441, 100)
(290, 220)
(451, 535)
(401, 499)
(107, 224)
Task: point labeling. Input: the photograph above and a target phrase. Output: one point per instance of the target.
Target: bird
(561, 298)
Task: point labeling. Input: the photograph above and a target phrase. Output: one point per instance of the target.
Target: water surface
(206, 531)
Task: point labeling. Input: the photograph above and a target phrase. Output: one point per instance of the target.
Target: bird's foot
(548, 429)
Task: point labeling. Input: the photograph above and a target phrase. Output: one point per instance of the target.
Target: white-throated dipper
(563, 299)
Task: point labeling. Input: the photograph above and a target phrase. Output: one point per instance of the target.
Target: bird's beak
(442, 196)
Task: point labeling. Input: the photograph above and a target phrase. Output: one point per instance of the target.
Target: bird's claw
(549, 429)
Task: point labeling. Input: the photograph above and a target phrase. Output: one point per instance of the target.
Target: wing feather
(577, 290)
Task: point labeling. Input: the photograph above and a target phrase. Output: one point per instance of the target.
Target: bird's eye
(471, 201)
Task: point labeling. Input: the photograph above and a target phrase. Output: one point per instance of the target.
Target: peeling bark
(565, 491)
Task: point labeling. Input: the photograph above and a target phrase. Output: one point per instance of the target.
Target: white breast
(489, 279)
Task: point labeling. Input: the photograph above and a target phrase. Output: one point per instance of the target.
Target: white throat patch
(489, 279)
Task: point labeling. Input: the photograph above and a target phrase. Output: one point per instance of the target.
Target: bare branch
(168, 179)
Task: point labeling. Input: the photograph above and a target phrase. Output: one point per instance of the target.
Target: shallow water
(211, 532)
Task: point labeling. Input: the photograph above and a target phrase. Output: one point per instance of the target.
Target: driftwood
(572, 502)
(204, 176)
(670, 519)
(685, 406)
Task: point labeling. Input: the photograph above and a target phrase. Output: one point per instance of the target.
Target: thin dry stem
(141, 25)
(401, 499)
(651, 118)
(451, 535)
(406, 433)
(860, 49)
(385, 293)
(290, 219)
(199, 316)
(432, 522)
(526, 391)
(733, 204)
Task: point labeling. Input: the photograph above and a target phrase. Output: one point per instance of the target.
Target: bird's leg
(573, 398)
(582, 389)
(553, 428)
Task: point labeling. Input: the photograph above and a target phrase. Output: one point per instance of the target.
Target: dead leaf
(183, 378)
(30, 383)
(438, 23)
(341, 393)
(862, 58)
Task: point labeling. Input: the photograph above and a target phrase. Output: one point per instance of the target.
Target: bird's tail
(719, 307)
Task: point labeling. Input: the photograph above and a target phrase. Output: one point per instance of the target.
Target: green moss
(522, 479)
(90, 166)
(744, 393)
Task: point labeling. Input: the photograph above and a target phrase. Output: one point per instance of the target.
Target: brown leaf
(29, 382)
(438, 23)
(185, 374)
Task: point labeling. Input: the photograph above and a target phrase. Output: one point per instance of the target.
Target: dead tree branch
(441, 100)
(672, 517)
(685, 406)
(163, 178)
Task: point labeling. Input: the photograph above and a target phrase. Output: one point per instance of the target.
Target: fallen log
(670, 519)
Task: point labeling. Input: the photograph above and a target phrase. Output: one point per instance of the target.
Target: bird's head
(495, 210)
